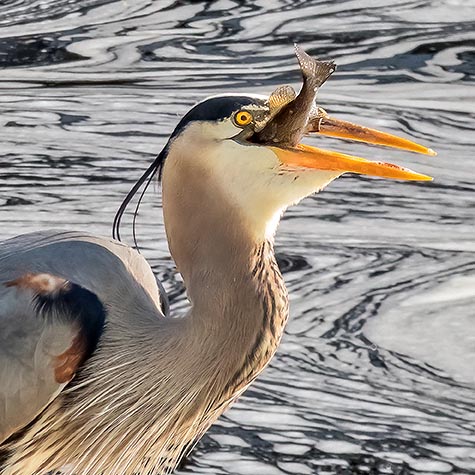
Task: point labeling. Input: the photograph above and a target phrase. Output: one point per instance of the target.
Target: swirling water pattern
(376, 372)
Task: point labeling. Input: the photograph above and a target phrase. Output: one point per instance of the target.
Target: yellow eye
(242, 118)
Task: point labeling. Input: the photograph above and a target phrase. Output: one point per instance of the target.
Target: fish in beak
(293, 116)
(289, 114)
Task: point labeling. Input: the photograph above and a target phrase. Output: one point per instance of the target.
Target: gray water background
(376, 372)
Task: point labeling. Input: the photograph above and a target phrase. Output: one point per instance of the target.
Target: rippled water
(376, 373)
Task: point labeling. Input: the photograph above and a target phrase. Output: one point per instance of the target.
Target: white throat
(249, 176)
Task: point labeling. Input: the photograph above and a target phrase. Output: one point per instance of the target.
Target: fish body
(290, 120)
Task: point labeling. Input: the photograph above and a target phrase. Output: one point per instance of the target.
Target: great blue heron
(95, 377)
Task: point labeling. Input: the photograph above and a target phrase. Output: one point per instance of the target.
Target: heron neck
(238, 296)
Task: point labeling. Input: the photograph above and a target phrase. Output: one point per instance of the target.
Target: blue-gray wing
(48, 328)
(56, 288)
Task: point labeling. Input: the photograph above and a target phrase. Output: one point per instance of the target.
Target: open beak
(307, 156)
(342, 129)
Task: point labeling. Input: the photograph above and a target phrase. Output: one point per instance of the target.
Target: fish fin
(280, 98)
(314, 69)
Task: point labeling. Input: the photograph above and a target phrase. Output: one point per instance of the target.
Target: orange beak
(347, 130)
(311, 157)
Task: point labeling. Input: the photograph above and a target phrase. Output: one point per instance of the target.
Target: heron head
(219, 140)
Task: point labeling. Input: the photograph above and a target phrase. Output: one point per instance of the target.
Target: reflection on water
(376, 370)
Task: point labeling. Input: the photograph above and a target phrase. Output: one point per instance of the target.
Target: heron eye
(242, 118)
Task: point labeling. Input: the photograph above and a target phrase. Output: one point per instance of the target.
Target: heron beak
(342, 129)
(306, 156)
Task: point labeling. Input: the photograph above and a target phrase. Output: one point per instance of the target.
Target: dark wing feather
(48, 328)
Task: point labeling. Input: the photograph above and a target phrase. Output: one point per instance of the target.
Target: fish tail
(314, 70)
